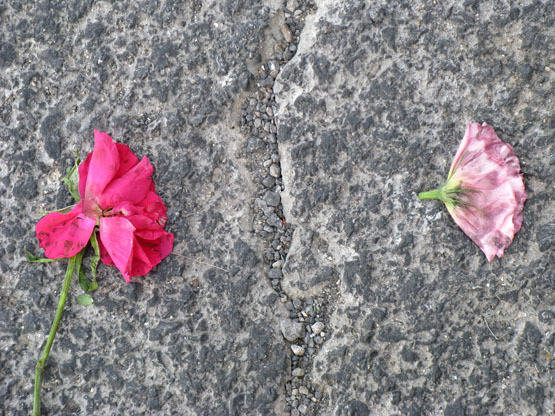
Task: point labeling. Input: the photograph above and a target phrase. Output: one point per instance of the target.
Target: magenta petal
(142, 264)
(155, 250)
(117, 238)
(489, 168)
(104, 256)
(127, 159)
(131, 187)
(143, 223)
(103, 166)
(154, 208)
(158, 249)
(64, 235)
(83, 173)
(154, 243)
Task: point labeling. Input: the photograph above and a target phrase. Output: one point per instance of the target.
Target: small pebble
(317, 327)
(273, 66)
(272, 198)
(298, 372)
(275, 171)
(297, 350)
(286, 32)
(291, 330)
(303, 390)
(275, 274)
(268, 182)
(292, 5)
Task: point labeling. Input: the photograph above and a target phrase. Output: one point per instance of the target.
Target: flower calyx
(451, 193)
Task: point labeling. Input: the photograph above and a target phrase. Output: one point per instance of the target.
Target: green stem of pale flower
(435, 194)
(39, 370)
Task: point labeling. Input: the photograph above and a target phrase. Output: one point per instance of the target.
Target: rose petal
(117, 238)
(155, 250)
(154, 208)
(141, 263)
(150, 245)
(127, 160)
(104, 256)
(131, 187)
(154, 242)
(83, 173)
(103, 166)
(143, 223)
(64, 235)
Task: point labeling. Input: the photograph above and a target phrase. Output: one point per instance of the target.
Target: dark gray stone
(25, 188)
(7, 54)
(272, 198)
(370, 112)
(50, 130)
(164, 78)
(455, 409)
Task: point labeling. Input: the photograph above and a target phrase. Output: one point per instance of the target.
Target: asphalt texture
(289, 140)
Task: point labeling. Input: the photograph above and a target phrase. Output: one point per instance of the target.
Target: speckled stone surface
(201, 334)
(371, 111)
(353, 297)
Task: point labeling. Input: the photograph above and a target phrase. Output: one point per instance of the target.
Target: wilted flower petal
(127, 159)
(131, 187)
(64, 235)
(104, 164)
(116, 234)
(484, 192)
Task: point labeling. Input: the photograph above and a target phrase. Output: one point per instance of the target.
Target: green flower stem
(435, 194)
(39, 370)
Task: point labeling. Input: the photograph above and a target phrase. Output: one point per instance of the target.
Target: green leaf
(96, 258)
(63, 210)
(87, 284)
(83, 281)
(36, 259)
(72, 180)
(93, 286)
(85, 300)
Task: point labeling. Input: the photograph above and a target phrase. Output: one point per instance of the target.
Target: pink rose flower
(118, 197)
(484, 192)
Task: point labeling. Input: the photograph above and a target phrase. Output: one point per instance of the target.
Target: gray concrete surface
(289, 141)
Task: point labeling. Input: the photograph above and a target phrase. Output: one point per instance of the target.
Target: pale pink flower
(484, 192)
